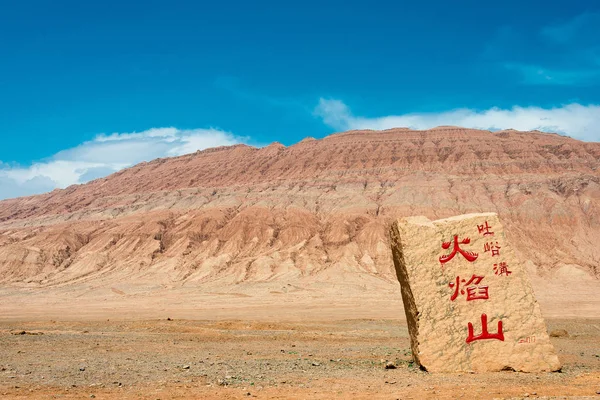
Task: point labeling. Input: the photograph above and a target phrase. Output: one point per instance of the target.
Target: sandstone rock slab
(467, 298)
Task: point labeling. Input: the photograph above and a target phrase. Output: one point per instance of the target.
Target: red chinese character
(485, 229)
(484, 331)
(473, 292)
(530, 339)
(470, 256)
(502, 269)
(494, 248)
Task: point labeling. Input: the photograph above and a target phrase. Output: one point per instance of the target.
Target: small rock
(390, 365)
(82, 369)
(169, 319)
(526, 395)
(315, 364)
(186, 367)
(92, 396)
(559, 333)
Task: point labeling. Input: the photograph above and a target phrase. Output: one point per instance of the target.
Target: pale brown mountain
(306, 222)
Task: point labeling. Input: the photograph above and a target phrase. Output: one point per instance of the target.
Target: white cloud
(575, 120)
(104, 155)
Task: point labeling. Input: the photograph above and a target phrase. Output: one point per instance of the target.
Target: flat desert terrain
(271, 358)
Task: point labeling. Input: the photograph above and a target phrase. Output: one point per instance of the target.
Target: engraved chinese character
(473, 291)
(469, 255)
(530, 339)
(485, 229)
(501, 269)
(493, 248)
(499, 335)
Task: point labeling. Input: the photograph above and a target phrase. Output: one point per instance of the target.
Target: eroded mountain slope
(313, 214)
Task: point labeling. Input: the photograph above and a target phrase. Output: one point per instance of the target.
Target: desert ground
(311, 355)
(243, 272)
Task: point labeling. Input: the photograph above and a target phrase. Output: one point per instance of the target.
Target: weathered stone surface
(439, 312)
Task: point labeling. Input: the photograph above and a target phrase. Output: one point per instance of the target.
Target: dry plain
(244, 354)
(241, 272)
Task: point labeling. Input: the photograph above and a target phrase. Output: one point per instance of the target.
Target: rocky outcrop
(467, 297)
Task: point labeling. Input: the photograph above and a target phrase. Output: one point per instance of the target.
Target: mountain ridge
(314, 214)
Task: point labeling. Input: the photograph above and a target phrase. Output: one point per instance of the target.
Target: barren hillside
(309, 219)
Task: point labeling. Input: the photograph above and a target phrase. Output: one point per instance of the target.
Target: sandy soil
(242, 358)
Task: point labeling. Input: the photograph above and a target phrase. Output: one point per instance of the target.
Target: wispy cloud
(582, 28)
(536, 75)
(104, 155)
(576, 120)
(565, 53)
(234, 87)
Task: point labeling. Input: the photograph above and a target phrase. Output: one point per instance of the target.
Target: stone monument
(467, 298)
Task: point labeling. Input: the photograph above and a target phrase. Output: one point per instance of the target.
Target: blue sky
(87, 88)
